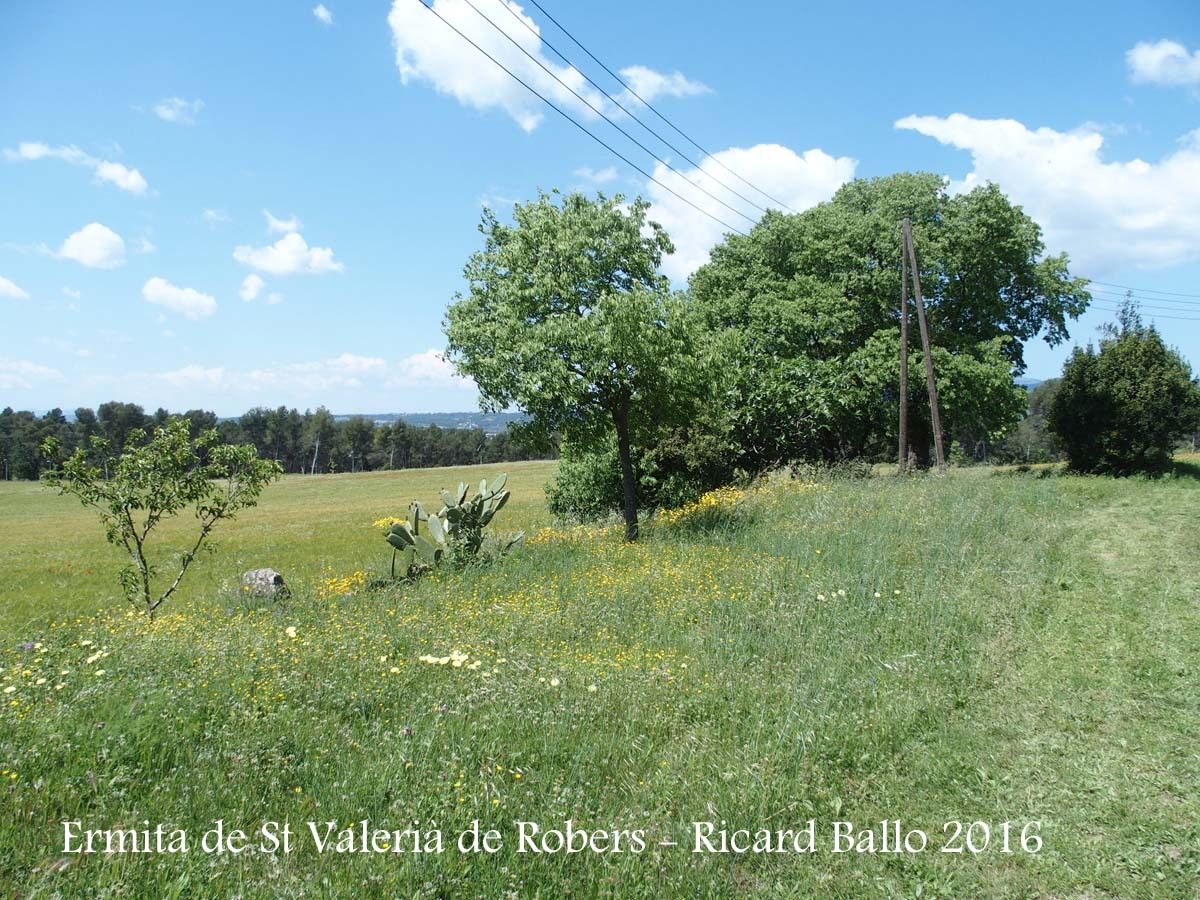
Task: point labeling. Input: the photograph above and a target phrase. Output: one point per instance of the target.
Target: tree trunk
(628, 484)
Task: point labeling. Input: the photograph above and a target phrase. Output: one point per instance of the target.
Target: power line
(541, 38)
(1155, 315)
(601, 114)
(1126, 287)
(1116, 296)
(650, 106)
(583, 128)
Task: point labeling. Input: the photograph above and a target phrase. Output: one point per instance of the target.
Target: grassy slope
(1041, 660)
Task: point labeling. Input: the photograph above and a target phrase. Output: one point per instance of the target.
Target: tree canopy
(568, 319)
(813, 299)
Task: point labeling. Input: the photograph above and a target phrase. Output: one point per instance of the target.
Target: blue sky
(142, 147)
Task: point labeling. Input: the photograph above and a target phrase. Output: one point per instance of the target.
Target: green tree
(813, 301)
(1121, 410)
(568, 319)
(158, 479)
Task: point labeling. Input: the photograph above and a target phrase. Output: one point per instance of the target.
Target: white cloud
(71, 292)
(274, 298)
(650, 85)
(1163, 62)
(251, 285)
(10, 290)
(178, 110)
(281, 226)
(346, 370)
(601, 176)
(193, 376)
(214, 217)
(1107, 215)
(21, 374)
(126, 179)
(146, 246)
(798, 180)
(428, 50)
(324, 16)
(289, 255)
(188, 302)
(95, 246)
(428, 368)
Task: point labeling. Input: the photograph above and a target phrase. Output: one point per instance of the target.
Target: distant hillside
(491, 423)
(1029, 383)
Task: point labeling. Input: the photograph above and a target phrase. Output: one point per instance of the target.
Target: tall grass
(762, 672)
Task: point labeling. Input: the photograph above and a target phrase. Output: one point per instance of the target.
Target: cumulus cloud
(193, 376)
(126, 179)
(21, 374)
(178, 111)
(597, 176)
(345, 370)
(323, 15)
(10, 290)
(289, 255)
(427, 50)
(281, 226)
(188, 302)
(95, 246)
(214, 217)
(798, 180)
(650, 85)
(1107, 215)
(251, 285)
(427, 368)
(1163, 62)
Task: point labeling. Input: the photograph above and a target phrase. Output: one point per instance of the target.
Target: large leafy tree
(568, 319)
(813, 301)
(1120, 410)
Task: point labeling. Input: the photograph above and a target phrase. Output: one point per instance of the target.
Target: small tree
(157, 479)
(568, 319)
(1121, 410)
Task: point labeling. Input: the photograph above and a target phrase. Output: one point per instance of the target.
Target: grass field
(987, 647)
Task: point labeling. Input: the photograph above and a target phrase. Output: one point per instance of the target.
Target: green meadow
(983, 648)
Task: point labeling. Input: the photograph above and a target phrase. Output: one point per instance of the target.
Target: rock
(264, 583)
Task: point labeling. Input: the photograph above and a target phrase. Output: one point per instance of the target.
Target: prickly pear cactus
(425, 540)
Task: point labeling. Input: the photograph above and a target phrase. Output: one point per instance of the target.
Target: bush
(680, 468)
(1121, 410)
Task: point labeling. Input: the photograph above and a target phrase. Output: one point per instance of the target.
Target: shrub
(1120, 410)
(677, 470)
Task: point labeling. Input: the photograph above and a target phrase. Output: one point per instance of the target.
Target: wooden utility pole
(932, 385)
(903, 456)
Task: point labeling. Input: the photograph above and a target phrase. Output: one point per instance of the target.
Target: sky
(227, 205)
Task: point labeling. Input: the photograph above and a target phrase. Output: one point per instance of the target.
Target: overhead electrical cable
(583, 128)
(1126, 287)
(1117, 296)
(1152, 315)
(602, 115)
(651, 107)
(541, 38)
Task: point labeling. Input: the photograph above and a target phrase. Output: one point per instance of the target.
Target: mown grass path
(1092, 723)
